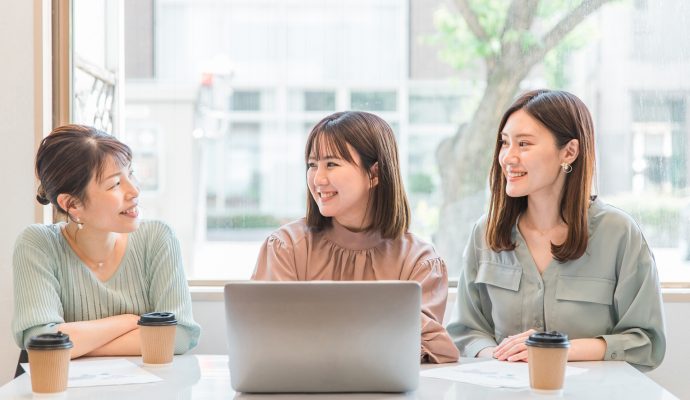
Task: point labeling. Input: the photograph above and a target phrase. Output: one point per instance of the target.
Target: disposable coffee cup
(157, 333)
(49, 356)
(547, 356)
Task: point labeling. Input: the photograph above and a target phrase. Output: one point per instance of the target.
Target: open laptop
(323, 336)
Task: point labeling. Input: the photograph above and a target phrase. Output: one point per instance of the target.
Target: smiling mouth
(327, 195)
(131, 211)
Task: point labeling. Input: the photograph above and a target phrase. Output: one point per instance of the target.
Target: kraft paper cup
(547, 356)
(49, 356)
(157, 333)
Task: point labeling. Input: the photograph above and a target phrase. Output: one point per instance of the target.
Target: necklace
(92, 264)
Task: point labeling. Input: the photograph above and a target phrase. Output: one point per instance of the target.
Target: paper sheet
(116, 371)
(492, 373)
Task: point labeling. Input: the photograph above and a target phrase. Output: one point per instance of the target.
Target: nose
(509, 155)
(320, 176)
(131, 187)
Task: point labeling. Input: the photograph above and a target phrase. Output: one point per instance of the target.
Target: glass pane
(319, 101)
(245, 101)
(374, 101)
(434, 108)
(95, 63)
(222, 101)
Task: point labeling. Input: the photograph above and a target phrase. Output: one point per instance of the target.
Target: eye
(331, 164)
(311, 164)
(502, 142)
(522, 143)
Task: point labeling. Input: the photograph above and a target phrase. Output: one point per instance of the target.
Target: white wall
(17, 141)
(209, 313)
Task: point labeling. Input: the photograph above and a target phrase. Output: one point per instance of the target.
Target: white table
(207, 377)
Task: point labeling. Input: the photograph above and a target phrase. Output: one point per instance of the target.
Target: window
(374, 101)
(434, 108)
(145, 144)
(319, 101)
(95, 60)
(245, 101)
(221, 95)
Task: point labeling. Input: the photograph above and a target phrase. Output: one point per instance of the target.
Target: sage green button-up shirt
(611, 292)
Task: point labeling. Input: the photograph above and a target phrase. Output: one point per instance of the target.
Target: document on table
(117, 371)
(492, 373)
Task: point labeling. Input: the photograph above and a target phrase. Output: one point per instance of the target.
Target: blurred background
(216, 98)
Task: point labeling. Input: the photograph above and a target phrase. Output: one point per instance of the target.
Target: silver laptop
(323, 336)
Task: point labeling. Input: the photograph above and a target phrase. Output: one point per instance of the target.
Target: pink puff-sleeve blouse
(296, 253)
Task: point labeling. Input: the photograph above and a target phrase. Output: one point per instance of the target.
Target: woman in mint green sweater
(92, 276)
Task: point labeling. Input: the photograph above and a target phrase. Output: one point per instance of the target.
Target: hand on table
(513, 348)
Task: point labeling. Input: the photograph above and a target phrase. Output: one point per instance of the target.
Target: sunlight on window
(220, 96)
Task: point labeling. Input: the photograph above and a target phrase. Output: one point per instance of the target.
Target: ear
(68, 202)
(374, 175)
(570, 151)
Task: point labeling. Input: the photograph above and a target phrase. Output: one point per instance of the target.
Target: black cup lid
(49, 341)
(548, 339)
(157, 318)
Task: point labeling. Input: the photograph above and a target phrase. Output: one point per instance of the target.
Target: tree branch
(564, 27)
(471, 19)
(519, 18)
(520, 15)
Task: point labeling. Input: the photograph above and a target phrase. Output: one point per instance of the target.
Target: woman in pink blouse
(356, 223)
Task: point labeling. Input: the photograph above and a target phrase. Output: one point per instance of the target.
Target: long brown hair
(70, 156)
(373, 140)
(567, 118)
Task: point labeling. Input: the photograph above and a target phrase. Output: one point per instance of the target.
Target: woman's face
(530, 158)
(111, 204)
(340, 189)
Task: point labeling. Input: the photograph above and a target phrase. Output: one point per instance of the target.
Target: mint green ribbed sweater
(52, 285)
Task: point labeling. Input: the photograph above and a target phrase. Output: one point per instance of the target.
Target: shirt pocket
(584, 306)
(502, 287)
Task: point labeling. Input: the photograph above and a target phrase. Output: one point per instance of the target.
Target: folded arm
(125, 345)
(106, 336)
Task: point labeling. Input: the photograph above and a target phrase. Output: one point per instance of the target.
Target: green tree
(509, 38)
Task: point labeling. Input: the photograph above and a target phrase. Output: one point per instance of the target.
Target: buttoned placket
(534, 286)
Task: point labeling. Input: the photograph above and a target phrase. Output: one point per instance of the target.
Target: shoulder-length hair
(70, 156)
(567, 118)
(373, 140)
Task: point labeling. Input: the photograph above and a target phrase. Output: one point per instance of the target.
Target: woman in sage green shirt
(549, 255)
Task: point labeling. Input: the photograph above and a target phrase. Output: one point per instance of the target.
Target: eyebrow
(128, 166)
(519, 135)
(326, 157)
(112, 176)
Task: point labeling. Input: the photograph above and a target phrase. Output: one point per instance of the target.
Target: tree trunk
(464, 161)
